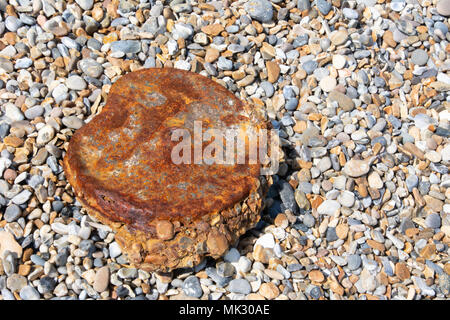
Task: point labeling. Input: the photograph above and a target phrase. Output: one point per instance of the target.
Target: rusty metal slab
(120, 165)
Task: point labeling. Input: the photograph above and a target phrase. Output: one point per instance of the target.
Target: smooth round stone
(232, 29)
(12, 213)
(22, 197)
(339, 61)
(244, 264)
(72, 122)
(353, 261)
(441, 26)
(192, 288)
(424, 187)
(346, 199)
(16, 282)
(23, 63)
(37, 260)
(339, 37)
(339, 182)
(114, 250)
(91, 67)
(329, 207)
(268, 88)
(443, 7)
(411, 182)
(379, 82)
(219, 280)
(419, 57)
(260, 10)
(182, 64)
(232, 255)
(29, 293)
(433, 156)
(327, 84)
(76, 83)
(122, 291)
(60, 93)
(13, 113)
(45, 134)
(433, 221)
(349, 128)
(324, 164)
(34, 112)
(434, 179)
(241, 286)
(309, 220)
(287, 121)
(12, 23)
(445, 153)
(287, 196)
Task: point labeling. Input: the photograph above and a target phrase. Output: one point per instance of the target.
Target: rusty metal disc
(121, 167)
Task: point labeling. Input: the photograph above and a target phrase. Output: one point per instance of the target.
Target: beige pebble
(375, 181)
(7, 242)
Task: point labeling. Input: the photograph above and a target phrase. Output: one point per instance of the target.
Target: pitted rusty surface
(120, 165)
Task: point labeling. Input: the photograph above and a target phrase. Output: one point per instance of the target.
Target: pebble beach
(357, 90)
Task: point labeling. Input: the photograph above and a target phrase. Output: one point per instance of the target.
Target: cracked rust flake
(120, 166)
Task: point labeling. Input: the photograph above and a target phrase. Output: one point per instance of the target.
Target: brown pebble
(217, 243)
(101, 280)
(375, 245)
(316, 275)
(281, 221)
(269, 290)
(401, 271)
(9, 174)
(336, 288)
(411, 148)
(428, 251)
(12, 141)
(273, 71)
(212, 55)
(164, 230)
(24, 269)
(388, 38)
(213, 29)
(27, 254)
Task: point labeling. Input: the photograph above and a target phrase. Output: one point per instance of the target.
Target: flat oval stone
(126, 168)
